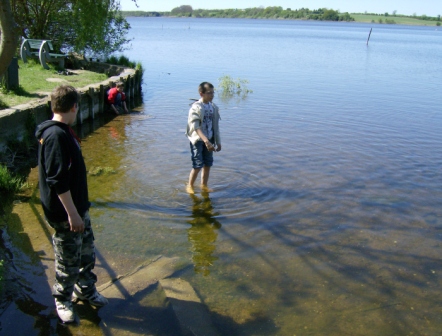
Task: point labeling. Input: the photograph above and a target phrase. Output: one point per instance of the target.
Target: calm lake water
(325, 216)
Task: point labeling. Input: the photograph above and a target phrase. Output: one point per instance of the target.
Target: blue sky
(407, 7)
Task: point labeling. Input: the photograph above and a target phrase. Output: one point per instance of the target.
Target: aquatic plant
(230, 86)
(97, 171)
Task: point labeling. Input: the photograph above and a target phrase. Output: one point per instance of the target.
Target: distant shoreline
(416, 22)
(303, 15)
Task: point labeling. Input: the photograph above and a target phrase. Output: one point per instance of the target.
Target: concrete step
(192, 314)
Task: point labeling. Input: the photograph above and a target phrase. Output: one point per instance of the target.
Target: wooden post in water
(369, 35)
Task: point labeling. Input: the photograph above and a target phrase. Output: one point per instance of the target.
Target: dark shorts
(118, 100)
(201, 156)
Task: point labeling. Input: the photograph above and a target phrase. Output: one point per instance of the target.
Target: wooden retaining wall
(17, 122)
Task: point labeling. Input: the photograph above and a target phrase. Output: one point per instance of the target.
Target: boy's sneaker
(95, 299)
(65, 310)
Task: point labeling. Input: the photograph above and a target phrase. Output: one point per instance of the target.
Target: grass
(9, 184)
(34, 83)
(397, 19)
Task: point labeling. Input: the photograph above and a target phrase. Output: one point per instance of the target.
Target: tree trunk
(8, 36)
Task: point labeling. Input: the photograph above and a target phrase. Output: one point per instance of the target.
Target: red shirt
(112, 95)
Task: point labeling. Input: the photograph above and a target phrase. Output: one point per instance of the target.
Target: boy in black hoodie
(64, 197)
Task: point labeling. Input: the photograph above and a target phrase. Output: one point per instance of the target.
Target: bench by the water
(43, 50)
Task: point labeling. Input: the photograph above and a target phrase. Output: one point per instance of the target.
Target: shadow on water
(30, 309)
(346, 270)
(365, 268)
(379, 269)
(27, 306)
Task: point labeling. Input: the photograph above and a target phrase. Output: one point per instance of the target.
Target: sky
(406, 7)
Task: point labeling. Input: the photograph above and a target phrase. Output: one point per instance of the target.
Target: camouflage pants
(74, 259)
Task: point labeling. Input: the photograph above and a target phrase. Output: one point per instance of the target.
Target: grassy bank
(36, 82)
(403, 20)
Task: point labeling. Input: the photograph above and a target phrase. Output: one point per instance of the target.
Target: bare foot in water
(189, 189)
(206, 189)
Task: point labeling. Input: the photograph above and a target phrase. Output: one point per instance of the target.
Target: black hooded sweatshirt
(61, 168)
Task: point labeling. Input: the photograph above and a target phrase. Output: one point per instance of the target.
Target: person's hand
(209, 146)
(218, 148)
(76, 223)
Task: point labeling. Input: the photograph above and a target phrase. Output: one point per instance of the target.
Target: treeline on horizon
(276, 12)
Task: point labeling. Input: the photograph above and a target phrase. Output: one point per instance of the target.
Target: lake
(325, 213)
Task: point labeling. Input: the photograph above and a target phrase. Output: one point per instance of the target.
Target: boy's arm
(57, 162)
(75, 220)
(125, 107)
(206, 141)
(194, 120)
(114, 108)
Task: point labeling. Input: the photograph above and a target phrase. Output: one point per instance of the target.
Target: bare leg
(205, 176)
(192, 178)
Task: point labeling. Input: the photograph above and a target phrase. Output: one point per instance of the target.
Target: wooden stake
(369, 35)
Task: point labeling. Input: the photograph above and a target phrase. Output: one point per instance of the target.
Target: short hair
(63, 98)
(202, 87)
(120, 84)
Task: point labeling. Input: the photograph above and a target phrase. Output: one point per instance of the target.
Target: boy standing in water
(203, 133)
(64, 197)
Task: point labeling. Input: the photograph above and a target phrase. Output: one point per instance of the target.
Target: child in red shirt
(117, 99)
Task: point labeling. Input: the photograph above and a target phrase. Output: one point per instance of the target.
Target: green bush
(8, 183)
(112, 60)
(122, 60)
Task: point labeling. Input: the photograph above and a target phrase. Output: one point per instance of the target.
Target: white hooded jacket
(195, 120)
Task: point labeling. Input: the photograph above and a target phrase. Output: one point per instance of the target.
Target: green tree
(330, 15)
(184, 10)
(73, 25)
(9, 34)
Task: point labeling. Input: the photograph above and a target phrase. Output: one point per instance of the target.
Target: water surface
(325, 214)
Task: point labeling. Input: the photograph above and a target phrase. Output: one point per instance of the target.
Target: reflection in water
(203, 233)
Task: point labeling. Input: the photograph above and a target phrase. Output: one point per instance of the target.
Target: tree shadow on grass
(18, 92)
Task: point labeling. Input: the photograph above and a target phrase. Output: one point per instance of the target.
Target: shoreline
(418, 23)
